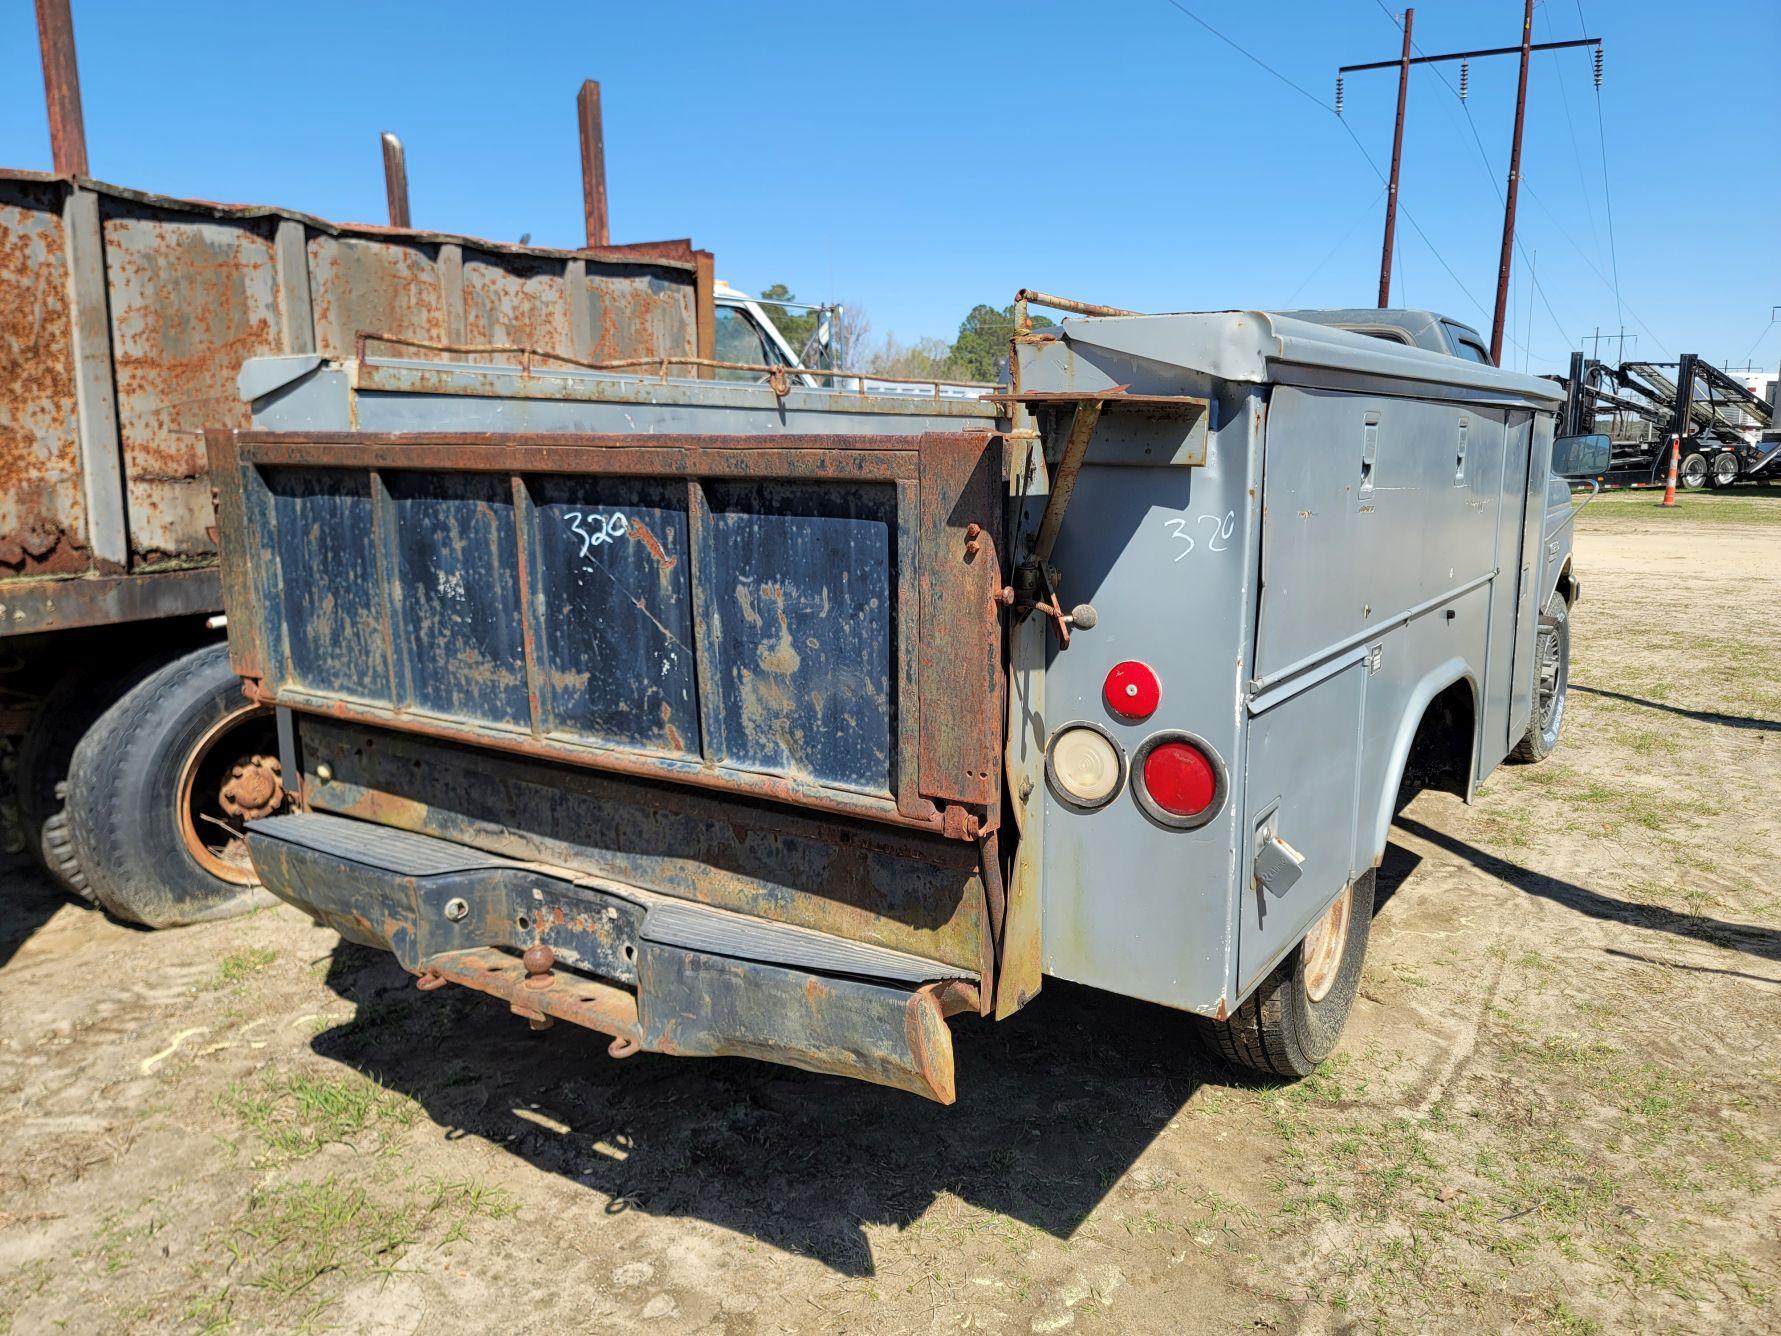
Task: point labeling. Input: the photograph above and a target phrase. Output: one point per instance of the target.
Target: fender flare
(1433, 683)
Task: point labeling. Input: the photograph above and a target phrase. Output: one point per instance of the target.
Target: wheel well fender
(1565, 585)
(1455, 677)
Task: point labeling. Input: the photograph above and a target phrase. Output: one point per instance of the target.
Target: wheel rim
(1725, 469)
(1694, 471)
(1324, 945)
(229, 778)
(1551, 689)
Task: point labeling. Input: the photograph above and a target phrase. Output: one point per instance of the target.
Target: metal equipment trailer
(1726, 433)
(752, 719)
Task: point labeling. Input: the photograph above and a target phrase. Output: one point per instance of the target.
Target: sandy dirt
(1556, 1107)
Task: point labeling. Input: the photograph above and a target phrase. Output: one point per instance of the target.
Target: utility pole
(1402, 65)
(1397, 158)
(1508, 254)
(593, 164)
(61, 88)
(1621, 339)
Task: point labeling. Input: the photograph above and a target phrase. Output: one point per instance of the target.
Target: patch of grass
(297, 1116)
(293, 1236)
(241, 965)
(1758, 503)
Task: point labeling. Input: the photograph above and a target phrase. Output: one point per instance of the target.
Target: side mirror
(1581, 456)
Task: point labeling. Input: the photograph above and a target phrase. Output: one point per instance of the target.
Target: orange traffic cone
(1670, 482)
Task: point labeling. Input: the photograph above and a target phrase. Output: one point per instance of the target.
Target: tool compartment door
(801, 618)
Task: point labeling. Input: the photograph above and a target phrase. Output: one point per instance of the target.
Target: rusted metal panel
(125, 317)
(511, 299)
(771, 647)
(190, 301)
(42, 511)
(384, 284)
(860, 880)
(101, 600)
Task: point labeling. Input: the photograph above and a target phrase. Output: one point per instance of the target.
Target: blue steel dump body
(723, 721)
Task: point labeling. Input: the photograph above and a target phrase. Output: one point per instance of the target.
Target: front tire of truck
(160, 788)
(1552, 680)
(1292, 1021)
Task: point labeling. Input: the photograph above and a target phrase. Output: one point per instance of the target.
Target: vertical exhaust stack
(395, 180)
(593, 163)
(61, 88)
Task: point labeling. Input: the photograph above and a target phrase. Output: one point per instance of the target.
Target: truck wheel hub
(254, 788)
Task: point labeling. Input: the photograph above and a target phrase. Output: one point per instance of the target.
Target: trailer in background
(1728, 432)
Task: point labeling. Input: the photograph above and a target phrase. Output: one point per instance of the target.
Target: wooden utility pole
(1508, 253)
(1402, 65)
(1397, 158)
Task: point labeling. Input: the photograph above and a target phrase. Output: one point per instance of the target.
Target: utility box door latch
(1278, 865)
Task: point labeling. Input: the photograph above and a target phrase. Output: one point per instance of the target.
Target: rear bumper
(652, 971)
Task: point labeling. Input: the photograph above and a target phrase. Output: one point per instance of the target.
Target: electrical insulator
(1338, 95)
(1598, 67)
(1465, 70)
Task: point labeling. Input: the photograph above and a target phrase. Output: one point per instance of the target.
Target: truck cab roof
(1413, 327)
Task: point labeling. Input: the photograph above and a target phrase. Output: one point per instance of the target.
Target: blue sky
(916, 159)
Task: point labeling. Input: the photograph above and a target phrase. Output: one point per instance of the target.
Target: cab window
(1469, 348)
(739, 340)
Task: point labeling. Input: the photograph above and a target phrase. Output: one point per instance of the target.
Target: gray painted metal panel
(1300, 785)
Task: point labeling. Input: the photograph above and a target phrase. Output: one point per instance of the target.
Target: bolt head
(324, 772)
(457, 909)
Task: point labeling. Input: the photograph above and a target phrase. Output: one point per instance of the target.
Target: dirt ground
(1556, 1106)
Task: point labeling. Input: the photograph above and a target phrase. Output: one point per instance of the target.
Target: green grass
(241, 965)
(298, 1115)
(1752, 503)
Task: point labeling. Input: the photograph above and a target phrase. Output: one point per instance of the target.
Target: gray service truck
(756, 719)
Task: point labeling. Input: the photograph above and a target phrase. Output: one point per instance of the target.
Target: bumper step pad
(656, 973)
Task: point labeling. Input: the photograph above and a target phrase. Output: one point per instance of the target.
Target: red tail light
(1178, 779)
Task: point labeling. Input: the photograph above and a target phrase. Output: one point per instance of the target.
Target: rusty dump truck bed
(125, 317)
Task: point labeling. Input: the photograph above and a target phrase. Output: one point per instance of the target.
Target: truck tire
(160, 787)
(1725, 469)
(1552, 680)
(1292, 1021)
(1694, 472)
(69, 709)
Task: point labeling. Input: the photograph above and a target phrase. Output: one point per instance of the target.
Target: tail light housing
(1085, 766)
(1179, 780)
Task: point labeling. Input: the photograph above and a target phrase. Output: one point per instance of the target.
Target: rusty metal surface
(593, 162)
(61, 88)
(760, 674)
(852, 879)
(50, 605)
(176, 294)
(42, 511)
(569, 997)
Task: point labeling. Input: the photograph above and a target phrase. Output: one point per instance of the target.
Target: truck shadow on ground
(1055, 1105)
(1700, 716)
(1750, 938)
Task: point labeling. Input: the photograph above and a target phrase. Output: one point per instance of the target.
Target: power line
(1324, 107)
(1607, 190)
(1359, 218)
(1570, 125)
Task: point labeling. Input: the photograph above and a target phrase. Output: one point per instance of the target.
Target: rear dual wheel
(160, 790)
(1292, 1021)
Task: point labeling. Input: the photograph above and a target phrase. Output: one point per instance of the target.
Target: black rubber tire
(69, 710)
(1724, 469)
(1693, 472)
(123, 789)
(1279, 1030)
(1541, 739)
